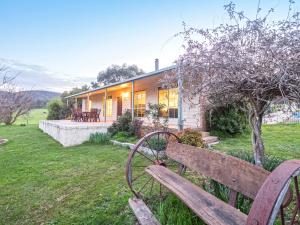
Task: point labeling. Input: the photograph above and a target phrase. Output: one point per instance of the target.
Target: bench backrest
(238, 175)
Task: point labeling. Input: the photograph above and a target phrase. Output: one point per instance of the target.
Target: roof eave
(153, 73)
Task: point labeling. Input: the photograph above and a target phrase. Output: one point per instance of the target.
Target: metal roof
(153, 73)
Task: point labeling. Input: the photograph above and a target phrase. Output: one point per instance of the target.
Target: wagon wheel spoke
(297, 207)
(150, 150)
(151, 187)
(155, 155)
(151, 178)
(282, 215)
(139, 176)
(160, 191)
(145, 156)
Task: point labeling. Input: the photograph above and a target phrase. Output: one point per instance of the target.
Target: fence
(282, 113)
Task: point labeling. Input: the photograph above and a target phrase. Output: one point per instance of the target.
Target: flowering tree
(250, 60)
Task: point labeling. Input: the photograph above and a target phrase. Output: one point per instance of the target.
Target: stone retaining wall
(70, 133)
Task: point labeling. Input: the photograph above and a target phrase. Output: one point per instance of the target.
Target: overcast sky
(59, 44)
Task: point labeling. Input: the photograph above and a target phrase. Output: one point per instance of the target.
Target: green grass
(43, 183)
(282, 141)
(33, 117)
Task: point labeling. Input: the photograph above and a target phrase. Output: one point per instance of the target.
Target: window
(139, 103)
(169, 98)
(109, 106)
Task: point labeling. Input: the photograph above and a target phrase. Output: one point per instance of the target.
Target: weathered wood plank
(142, 212)
(209, 208)
(237, 174)
(233, 195)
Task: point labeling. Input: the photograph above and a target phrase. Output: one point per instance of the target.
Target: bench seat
(142, 212)
(210, 209)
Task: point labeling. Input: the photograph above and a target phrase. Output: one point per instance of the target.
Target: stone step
(204, 134)
(209, 140)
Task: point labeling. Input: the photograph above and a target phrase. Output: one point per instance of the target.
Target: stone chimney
(156, 64)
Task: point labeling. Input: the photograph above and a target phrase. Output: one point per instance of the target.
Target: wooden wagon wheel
(271, 202)
(150, 150)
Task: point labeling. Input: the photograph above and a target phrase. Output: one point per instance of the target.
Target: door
(119, 106)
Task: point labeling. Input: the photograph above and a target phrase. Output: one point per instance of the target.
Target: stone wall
(71, 133)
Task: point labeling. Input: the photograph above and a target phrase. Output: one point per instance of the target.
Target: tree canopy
(116, 73)
(250, 60)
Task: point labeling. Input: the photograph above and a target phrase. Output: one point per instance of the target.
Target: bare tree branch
(13, 103)
(254, 60)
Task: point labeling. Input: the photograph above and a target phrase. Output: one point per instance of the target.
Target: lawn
(281, 140)
(43, 183)
(33, 117)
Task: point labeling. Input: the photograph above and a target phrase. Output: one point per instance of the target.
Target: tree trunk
(257, 142)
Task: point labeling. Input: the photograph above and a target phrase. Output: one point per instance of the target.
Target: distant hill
(40, 98)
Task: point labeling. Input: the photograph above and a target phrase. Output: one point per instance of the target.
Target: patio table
(86, 116)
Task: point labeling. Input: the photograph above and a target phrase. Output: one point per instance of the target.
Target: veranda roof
(153, 73)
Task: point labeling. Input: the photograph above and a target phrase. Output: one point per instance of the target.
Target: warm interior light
(123, 85)
(125, 94)
(90, 105)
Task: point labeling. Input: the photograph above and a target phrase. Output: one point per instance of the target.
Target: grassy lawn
(282, 141)
(43, 183)
(33, 117)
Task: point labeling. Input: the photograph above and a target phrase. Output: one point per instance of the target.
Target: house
(132, 95)
(136, 93)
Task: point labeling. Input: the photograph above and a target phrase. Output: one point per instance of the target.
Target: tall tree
(67, 108)
(252, 60)
(72, 92)
(116, 73)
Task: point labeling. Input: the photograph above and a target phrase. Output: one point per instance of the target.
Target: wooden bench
(270, 191)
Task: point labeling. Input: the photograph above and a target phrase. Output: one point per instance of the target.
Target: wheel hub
(160, 163)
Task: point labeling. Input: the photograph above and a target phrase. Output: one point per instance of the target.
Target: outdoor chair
(85, 116)
(95, 115)
(76, 115)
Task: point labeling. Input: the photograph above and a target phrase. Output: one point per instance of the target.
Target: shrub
(222, 192)
(228, 120)
(66, 112)
(137, 127)
(157, 144)
(124, 123)
(191, 137)
(124, 137)
(100, 138)
(269, 162)
(55, 109)
(153, 114)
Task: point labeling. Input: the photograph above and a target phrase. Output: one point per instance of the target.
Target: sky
(59, 44)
